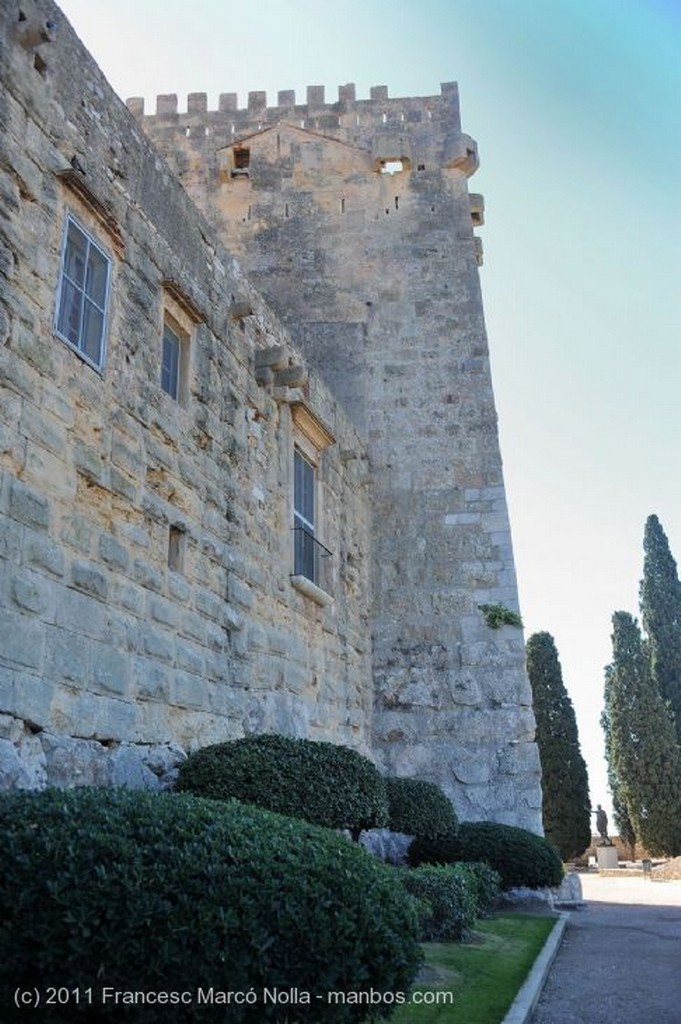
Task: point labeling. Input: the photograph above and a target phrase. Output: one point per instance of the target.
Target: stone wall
(355, 220)
(146, 603)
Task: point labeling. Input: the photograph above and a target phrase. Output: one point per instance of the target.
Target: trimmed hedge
(520, 857)
(419, 808)
(448, 894)
(322, 783)
(444, 849)
(487, 883)
(115, 890)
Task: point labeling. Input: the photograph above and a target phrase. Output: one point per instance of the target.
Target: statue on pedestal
(602, 825)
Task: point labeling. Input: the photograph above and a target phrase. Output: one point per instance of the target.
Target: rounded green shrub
(322, 783)
(419, 808)
(444, 849)
(448, 893)
(487, 884)
(119, 891)
(521, 857)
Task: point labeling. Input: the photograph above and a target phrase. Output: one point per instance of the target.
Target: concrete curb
(524, 1003)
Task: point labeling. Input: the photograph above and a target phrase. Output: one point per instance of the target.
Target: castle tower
(355, 221)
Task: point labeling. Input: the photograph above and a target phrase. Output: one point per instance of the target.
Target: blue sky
(576, 106)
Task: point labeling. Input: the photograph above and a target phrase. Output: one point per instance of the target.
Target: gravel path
(620, 959)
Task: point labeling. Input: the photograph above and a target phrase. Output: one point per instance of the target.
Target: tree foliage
(623, 823)
(642, 746)
(660, 603)
(566, 810)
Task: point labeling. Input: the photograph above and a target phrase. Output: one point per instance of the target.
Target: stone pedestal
(606, 857)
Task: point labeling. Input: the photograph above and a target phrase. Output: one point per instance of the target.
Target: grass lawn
(483, 975)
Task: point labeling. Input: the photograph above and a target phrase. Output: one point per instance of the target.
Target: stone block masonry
(250, 473)
(146, 546)
(355, 220)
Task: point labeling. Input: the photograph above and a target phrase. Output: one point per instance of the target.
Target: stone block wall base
(37, 760)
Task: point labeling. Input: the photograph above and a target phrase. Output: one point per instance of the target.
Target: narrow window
(170, 363)
(175, 353)
(83, 294)
(304, 516)
(242, 162)
(312, 561)
(176, 537)
(177, 331)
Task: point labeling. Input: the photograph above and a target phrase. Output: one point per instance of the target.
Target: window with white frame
(83, 295)
(312, 561)
(304, 484)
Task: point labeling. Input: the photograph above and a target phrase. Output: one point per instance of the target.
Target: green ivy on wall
(497, 615)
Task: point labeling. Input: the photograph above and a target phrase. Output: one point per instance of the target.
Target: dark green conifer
(623, 823)
(660, 602)
(642, 747)
(565, 785)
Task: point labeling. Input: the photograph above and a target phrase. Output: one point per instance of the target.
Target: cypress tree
(660, 602)
(623, 823)
(566, 811)
(642, 747)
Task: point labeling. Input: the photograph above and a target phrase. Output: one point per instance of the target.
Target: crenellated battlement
(379, 108)
(429, 127)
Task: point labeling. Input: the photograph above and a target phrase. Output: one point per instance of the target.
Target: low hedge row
(115, 890)
(139, 892)
(434, 850)
(319, 782)
(448, 897)
(520, 857)
(486, 883)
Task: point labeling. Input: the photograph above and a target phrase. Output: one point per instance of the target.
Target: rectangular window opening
(83, 294)
(242, 162)
(176, 545)
(304, 517)
(170, 364)
(175, 361)
(303, 492)
(392, 166)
